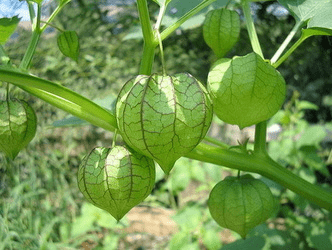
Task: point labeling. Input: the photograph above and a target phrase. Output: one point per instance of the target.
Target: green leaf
(68, 44)
(301, 105)
(211, 239)
(189, 219)
(7, 27)
(135, 32)
(312, 136)
(317, 14)
(318, 235)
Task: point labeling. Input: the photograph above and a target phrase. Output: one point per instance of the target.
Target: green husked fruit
(245, 90)
(163, 117)
(116, 179)
(221, 30)
(241, 203)
(18, 124)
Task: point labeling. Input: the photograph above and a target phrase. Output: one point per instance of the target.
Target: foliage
(47, 226)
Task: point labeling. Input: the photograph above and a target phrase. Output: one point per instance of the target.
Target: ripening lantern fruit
(241, 203)
(163, 117)
(18, 124)
(245, 90)
(221, 30)
(116, 179)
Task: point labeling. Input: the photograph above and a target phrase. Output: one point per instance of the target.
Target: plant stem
(251, 28)
(148, 37)
(169, 30)
(260, 138)
(283, 46)
(290, 51)
(62, 98)
(260, 129)
(35, 21)
(216, 142)
(264, 166)
(147, 59)
(53, 15)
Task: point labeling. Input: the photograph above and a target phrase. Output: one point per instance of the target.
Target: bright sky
(9, 8)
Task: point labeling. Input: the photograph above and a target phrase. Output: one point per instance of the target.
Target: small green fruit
(116, 179)
(241, 203)
(18, 124)
(221, 30)
(245, 90)
(163, 117)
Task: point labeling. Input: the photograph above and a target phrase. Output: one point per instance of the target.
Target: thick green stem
(62, 98)
(148, 37)
(147, 60)
(260, 138)
(251, 28)
(264, 166)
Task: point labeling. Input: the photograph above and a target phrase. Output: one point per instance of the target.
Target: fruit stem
(260, 138)
(251, 28)
(148, 37)
(157, 30)
(114, 137)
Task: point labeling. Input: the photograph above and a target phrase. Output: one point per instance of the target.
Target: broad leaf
(316, 13)
(7, 28)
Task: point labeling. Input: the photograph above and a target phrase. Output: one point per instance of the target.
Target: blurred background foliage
(40, 205)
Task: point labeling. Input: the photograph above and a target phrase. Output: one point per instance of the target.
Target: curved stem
(62, 98)
(264, 166)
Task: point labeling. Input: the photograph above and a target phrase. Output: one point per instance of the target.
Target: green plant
(258, 160)
(18, 126)
(116, 179)
(241, 203)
